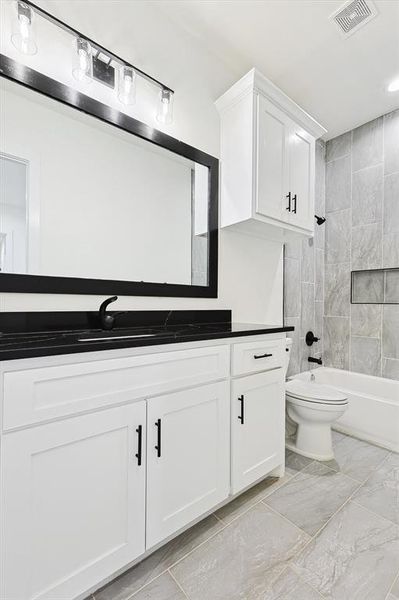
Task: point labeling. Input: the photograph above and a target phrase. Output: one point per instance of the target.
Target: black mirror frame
(47, 284)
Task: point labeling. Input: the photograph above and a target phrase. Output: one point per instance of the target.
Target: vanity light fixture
(81, 60)
(394, 86)
(23, 37)
(165, 107)
(127, 85)
(91, 61)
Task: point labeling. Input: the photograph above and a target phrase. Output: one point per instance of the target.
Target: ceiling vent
(353, 15)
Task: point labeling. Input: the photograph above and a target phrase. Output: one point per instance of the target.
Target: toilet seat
(319, 406)
(313, 393)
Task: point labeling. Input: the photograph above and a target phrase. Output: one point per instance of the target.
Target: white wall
(111, 205)
(250, 280)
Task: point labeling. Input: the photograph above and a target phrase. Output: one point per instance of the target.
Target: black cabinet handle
(288, 196)
(241, 415)
(256, 356)
(158, 446)
(294, 201)
(139, 432)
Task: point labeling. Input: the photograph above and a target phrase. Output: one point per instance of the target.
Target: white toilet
(313, 408)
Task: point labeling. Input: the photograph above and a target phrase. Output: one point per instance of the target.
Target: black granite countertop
(28, 344)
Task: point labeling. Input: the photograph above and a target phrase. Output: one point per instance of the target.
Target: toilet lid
(314, 392)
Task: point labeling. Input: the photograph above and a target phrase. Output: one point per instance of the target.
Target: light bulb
(81, 64)
(23, 37)
(165, 107)
(127, 85)
(394, 86)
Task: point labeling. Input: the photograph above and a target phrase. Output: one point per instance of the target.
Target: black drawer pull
(241, 415)
(139, 432)
(288, 196)
(256, 356)
(294, 201)
(158, 446)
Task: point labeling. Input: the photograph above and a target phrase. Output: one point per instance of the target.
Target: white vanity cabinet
(107, 455)
(267, 160)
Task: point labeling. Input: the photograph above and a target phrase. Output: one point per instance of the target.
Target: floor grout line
(396, 579)
(240, 514)
(199, 546)
(178, 584)
(264, 499)
(349, 499)
(314, 536)
(288, 520)
(361, 481)
(172, 564)
(168, 569)
(225, 525)
(292, 567)
(218, 518)
(147, 583)
(375, 514)
(288, 567)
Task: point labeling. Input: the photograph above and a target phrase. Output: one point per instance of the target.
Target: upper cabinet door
(301, 177)
(272, 160)
(74, 503)
(188, 459)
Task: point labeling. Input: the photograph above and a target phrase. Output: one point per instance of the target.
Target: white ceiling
(340, 81)
(208, 44)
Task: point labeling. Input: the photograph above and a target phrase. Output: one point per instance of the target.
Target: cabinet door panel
(257, 416)
(191, 473)
(301, 178)
(74, 498)
(272, 165)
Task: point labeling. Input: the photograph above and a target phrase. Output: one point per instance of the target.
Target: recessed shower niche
(375, 286)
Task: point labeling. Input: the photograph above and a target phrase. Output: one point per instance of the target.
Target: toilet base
(313, 435)
(291, 445)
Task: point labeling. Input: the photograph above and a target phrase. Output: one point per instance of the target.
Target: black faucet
(318, 361)
(107, 320)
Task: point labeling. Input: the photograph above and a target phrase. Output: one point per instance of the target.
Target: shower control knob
(311, 338)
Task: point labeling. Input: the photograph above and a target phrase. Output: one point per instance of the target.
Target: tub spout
(318, 361)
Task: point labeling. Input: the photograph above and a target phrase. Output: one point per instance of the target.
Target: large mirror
(90, 207)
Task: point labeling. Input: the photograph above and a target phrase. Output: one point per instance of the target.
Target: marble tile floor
(325, 530)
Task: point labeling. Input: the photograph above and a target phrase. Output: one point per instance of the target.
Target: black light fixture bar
(97, 47)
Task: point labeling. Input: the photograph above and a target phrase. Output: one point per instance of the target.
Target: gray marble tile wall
(199, 260)
(304, 281)
(361, 232)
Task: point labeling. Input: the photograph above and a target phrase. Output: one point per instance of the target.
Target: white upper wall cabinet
(267, 160)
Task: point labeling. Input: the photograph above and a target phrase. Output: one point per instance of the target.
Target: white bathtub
(373, 411)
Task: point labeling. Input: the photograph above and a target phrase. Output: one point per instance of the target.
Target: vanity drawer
(253, 357)
(39, 394)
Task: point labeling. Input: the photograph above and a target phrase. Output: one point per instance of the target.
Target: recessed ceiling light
(394, 86)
